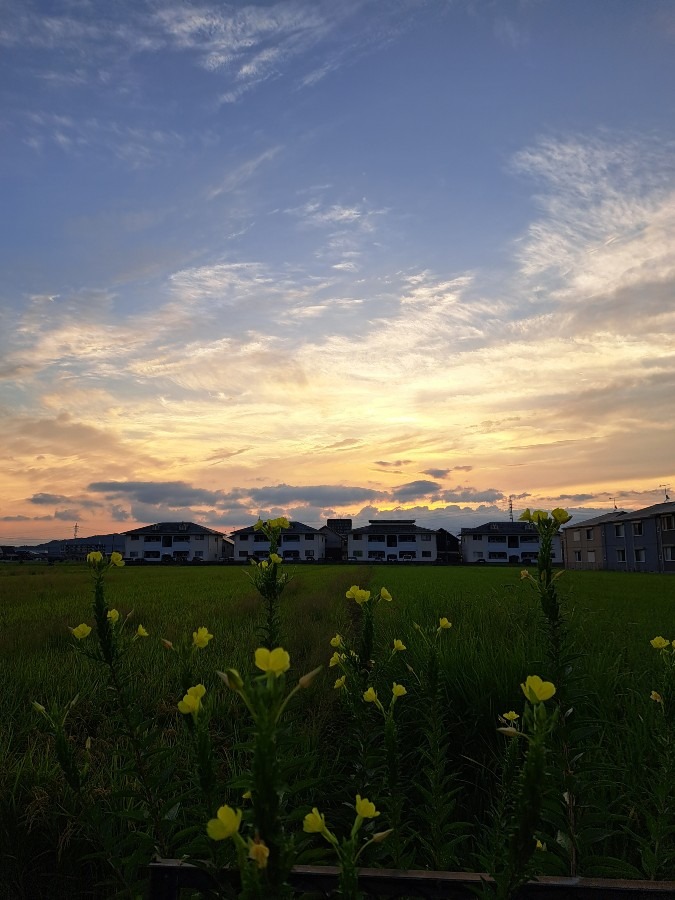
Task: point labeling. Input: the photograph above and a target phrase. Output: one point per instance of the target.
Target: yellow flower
(539, 515)
(314, 822)
(524, 574)
(82, 631)
(201, 637)
(510, 716)
(113, 616)
(264, 564)
(259, 525)
(658, 643)
(274, 662)
(525, 516)
(536, 690)
(336, 641)
(192, 701)
(365, 808)
(282, 522)
(384, 594)
(539, 845)
(398, 690)
(561, 516)
(444, 623)
(399, 645)
(340, 682)
(116, 559)
(141, 632)
(259, 852)
(355, 593)
(225, 825)
(370, 696)
(334, 660)
(275, 558)
(247, 795)
(656, 697)
(94, 557)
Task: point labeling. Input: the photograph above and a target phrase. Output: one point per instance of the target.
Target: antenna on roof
(613, 499)
(665, 490)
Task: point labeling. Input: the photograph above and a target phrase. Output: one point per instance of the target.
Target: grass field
(496, 640)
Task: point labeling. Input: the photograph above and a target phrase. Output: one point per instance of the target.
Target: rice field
(625, 821)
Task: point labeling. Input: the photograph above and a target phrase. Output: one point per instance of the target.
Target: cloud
(470, 495)
(48, 499)
(415, 489)
(173, 494)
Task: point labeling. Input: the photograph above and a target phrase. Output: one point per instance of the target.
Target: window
(199, 537)
(591, 556)
(528, 555)
(375, 538)
(477, 537)
(426, 537)
(260, 538)
(668, 554)
(496, 539)
(181, 538)
(309, 537)
(426, 553)
(151, 554)
(668, 523)
(243, 553)
(589, 534)
(357, 537)
(637, 528)
(133, 553)
(619, 531)
(529, 539)
(621, 555)
(639, 554)
(577, 556)
(149, 538)
(199, 554)
(243, 537)
(290, 538)
(407, 539)
(478, 554)
(576, 535)
(134, 537)
(376, 554)
(309, 554)
(358, 553)
(495, 554)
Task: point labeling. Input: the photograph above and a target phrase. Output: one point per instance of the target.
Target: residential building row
(496, 543)
(639, 541)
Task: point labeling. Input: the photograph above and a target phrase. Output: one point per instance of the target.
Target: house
(391, 540)
(174, 542)
(448, 547)
(641, 540)
(336, 531)
(505, 542)
(298, 542)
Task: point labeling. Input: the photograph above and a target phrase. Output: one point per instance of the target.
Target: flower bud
(382, 836)
(307, 679)
(167, 644)
(232, 679)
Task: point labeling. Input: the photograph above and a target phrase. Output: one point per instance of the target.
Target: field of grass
(496, 640)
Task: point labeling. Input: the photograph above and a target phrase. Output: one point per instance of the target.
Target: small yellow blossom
(275, 558)
(113, 616)
(336, 641)
(192, 701)
(659, 643)
(259, 524)
(38, 707)
(314, 822)
(264, 564)
(384, 594)
(335, 659)
(536, 690)
(355, 593)
(539, 845)
(82, 631)
(370, 696)
(259, 852)
(274, 662)
(141, 632)
(247, 795)
(225, 825)
(444, 623)
(524, 574)
(201, 637)
(94, 557)
(399, 645)
(510, 716)
(398, 690)
(365, 808)
(116, 559)
(656, 697)
(340, 682)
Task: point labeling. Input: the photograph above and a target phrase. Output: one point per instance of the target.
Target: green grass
(496, 640)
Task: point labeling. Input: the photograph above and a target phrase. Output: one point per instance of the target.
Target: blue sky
(294, 257)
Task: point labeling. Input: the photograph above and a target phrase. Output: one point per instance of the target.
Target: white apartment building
(392, 540)
(505, 542)
(298, 542)
(175, 542)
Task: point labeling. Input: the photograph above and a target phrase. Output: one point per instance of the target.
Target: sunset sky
(333, 258)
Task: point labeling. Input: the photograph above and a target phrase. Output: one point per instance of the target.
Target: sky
(406, 258)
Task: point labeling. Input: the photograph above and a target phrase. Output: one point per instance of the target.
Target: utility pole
(666, 488)
(511, 507)
(75, 530)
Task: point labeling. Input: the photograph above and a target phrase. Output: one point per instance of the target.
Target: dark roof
(173, 528)
(295, 528)
(597, 520)
(392, 526)
(501, 528)
(658, 509)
